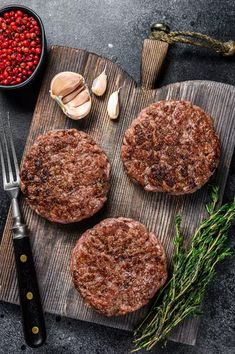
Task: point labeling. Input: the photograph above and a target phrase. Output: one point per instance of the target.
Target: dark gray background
(94, 25)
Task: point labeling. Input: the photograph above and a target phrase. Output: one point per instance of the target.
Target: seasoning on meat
(65, 176)
(118, 266)
(171, 147)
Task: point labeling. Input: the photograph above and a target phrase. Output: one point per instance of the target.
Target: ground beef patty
(118, 266)
(171, 147)
(65, 176)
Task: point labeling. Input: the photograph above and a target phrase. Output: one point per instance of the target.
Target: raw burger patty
(171, 147)
(118, 266)
(65, 176)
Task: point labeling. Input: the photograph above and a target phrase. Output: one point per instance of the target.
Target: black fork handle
(31, 307)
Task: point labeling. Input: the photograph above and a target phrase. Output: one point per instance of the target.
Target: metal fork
(31, 308)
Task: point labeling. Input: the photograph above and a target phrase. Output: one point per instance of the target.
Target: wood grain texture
(153, 55)
(52, 244)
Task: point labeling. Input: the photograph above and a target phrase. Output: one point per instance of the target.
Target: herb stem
(192, 270)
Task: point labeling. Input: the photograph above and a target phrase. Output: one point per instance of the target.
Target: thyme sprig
(192, 270)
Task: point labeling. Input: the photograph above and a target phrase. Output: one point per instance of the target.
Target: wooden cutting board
(52, 243)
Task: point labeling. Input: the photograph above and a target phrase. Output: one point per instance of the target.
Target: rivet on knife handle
(32, 313)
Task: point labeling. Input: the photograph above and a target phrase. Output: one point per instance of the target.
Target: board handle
(153, 55)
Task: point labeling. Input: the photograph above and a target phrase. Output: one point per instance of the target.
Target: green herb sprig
(192, 270)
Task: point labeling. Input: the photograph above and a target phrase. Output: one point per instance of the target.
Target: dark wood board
(52, 243)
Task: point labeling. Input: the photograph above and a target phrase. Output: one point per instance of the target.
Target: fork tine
(3, 165)
(13, 149)
(5, 147)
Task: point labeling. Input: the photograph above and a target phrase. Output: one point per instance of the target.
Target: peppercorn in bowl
(22, 47)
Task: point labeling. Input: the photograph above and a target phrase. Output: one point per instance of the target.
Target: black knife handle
(30, 302)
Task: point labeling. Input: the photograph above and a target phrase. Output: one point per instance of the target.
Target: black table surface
(116, 29)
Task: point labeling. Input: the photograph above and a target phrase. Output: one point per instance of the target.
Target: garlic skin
(113, 107)
(66, 99)
(80, 99)
(80, 111)
(65, 82)
(100, 84)
(69, 90)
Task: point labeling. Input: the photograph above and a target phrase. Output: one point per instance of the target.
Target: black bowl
(39, 68)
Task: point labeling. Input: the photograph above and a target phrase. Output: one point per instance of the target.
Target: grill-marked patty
(118, 266)
(65, 176)
(171, 147)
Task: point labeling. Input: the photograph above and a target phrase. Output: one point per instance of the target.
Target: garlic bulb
(100, 84)
(113, 105)
(69, 90)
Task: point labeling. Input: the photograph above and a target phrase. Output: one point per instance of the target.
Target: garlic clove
(66, 99)
(79, 112)
(113, 107)
(81, 98)
(100, 84)
(69, 90)
(64, 83)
